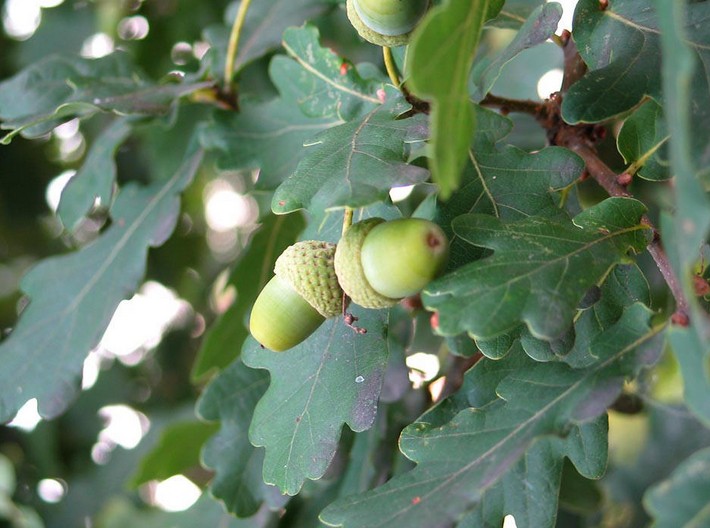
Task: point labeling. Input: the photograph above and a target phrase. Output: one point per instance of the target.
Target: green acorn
(378, 263)
(386, 22)
(301, 295)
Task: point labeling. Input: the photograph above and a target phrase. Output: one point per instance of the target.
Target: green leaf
(540, 26)
(539, 272)
(643, 141)
(319, 81)
(506, 182)
(332, 378)
(529, 490)
(621, 46)
(357, 163)
(230, 399)
(684, 87)
(177, 451)
(58, 88)
(96, 177)
(459, 461)
(683, 500)
(268, 136)
(439, 61)
(623, 287)
(72, 297)
(363, 465)
(314, 97)
(225, 337)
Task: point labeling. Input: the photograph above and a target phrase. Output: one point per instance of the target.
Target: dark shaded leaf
(622, 45)
(459, 461)
(230, 399)
(539, 272)
(529, 490)
(506, 182)
(625, 484)
(264, 25)
(514, 13)
(268, 136)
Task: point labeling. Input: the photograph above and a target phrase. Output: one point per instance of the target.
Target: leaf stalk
(233, 45)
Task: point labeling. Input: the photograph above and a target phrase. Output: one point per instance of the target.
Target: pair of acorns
(376, 264)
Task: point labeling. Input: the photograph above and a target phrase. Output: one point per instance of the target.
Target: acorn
(378, 263)
(303, 293)
(386, 22)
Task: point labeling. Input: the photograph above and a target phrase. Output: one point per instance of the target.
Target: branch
(505, 105)
(582, 139)
(608, 179)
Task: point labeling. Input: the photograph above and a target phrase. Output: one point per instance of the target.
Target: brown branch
(608, 179)
(506, 105)
(582, 140)
(575, 67)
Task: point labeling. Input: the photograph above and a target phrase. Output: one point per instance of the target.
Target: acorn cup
(378, 263)
(386, 22)
(299, 298)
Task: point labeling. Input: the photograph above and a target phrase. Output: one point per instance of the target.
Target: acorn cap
(390, 41)
(349, 270)
(308, 268)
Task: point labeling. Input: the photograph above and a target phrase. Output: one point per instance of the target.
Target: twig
(607, 178)
(506, 105)
(574, 66)
(582, 139)
(233, 45)
(390, 66)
